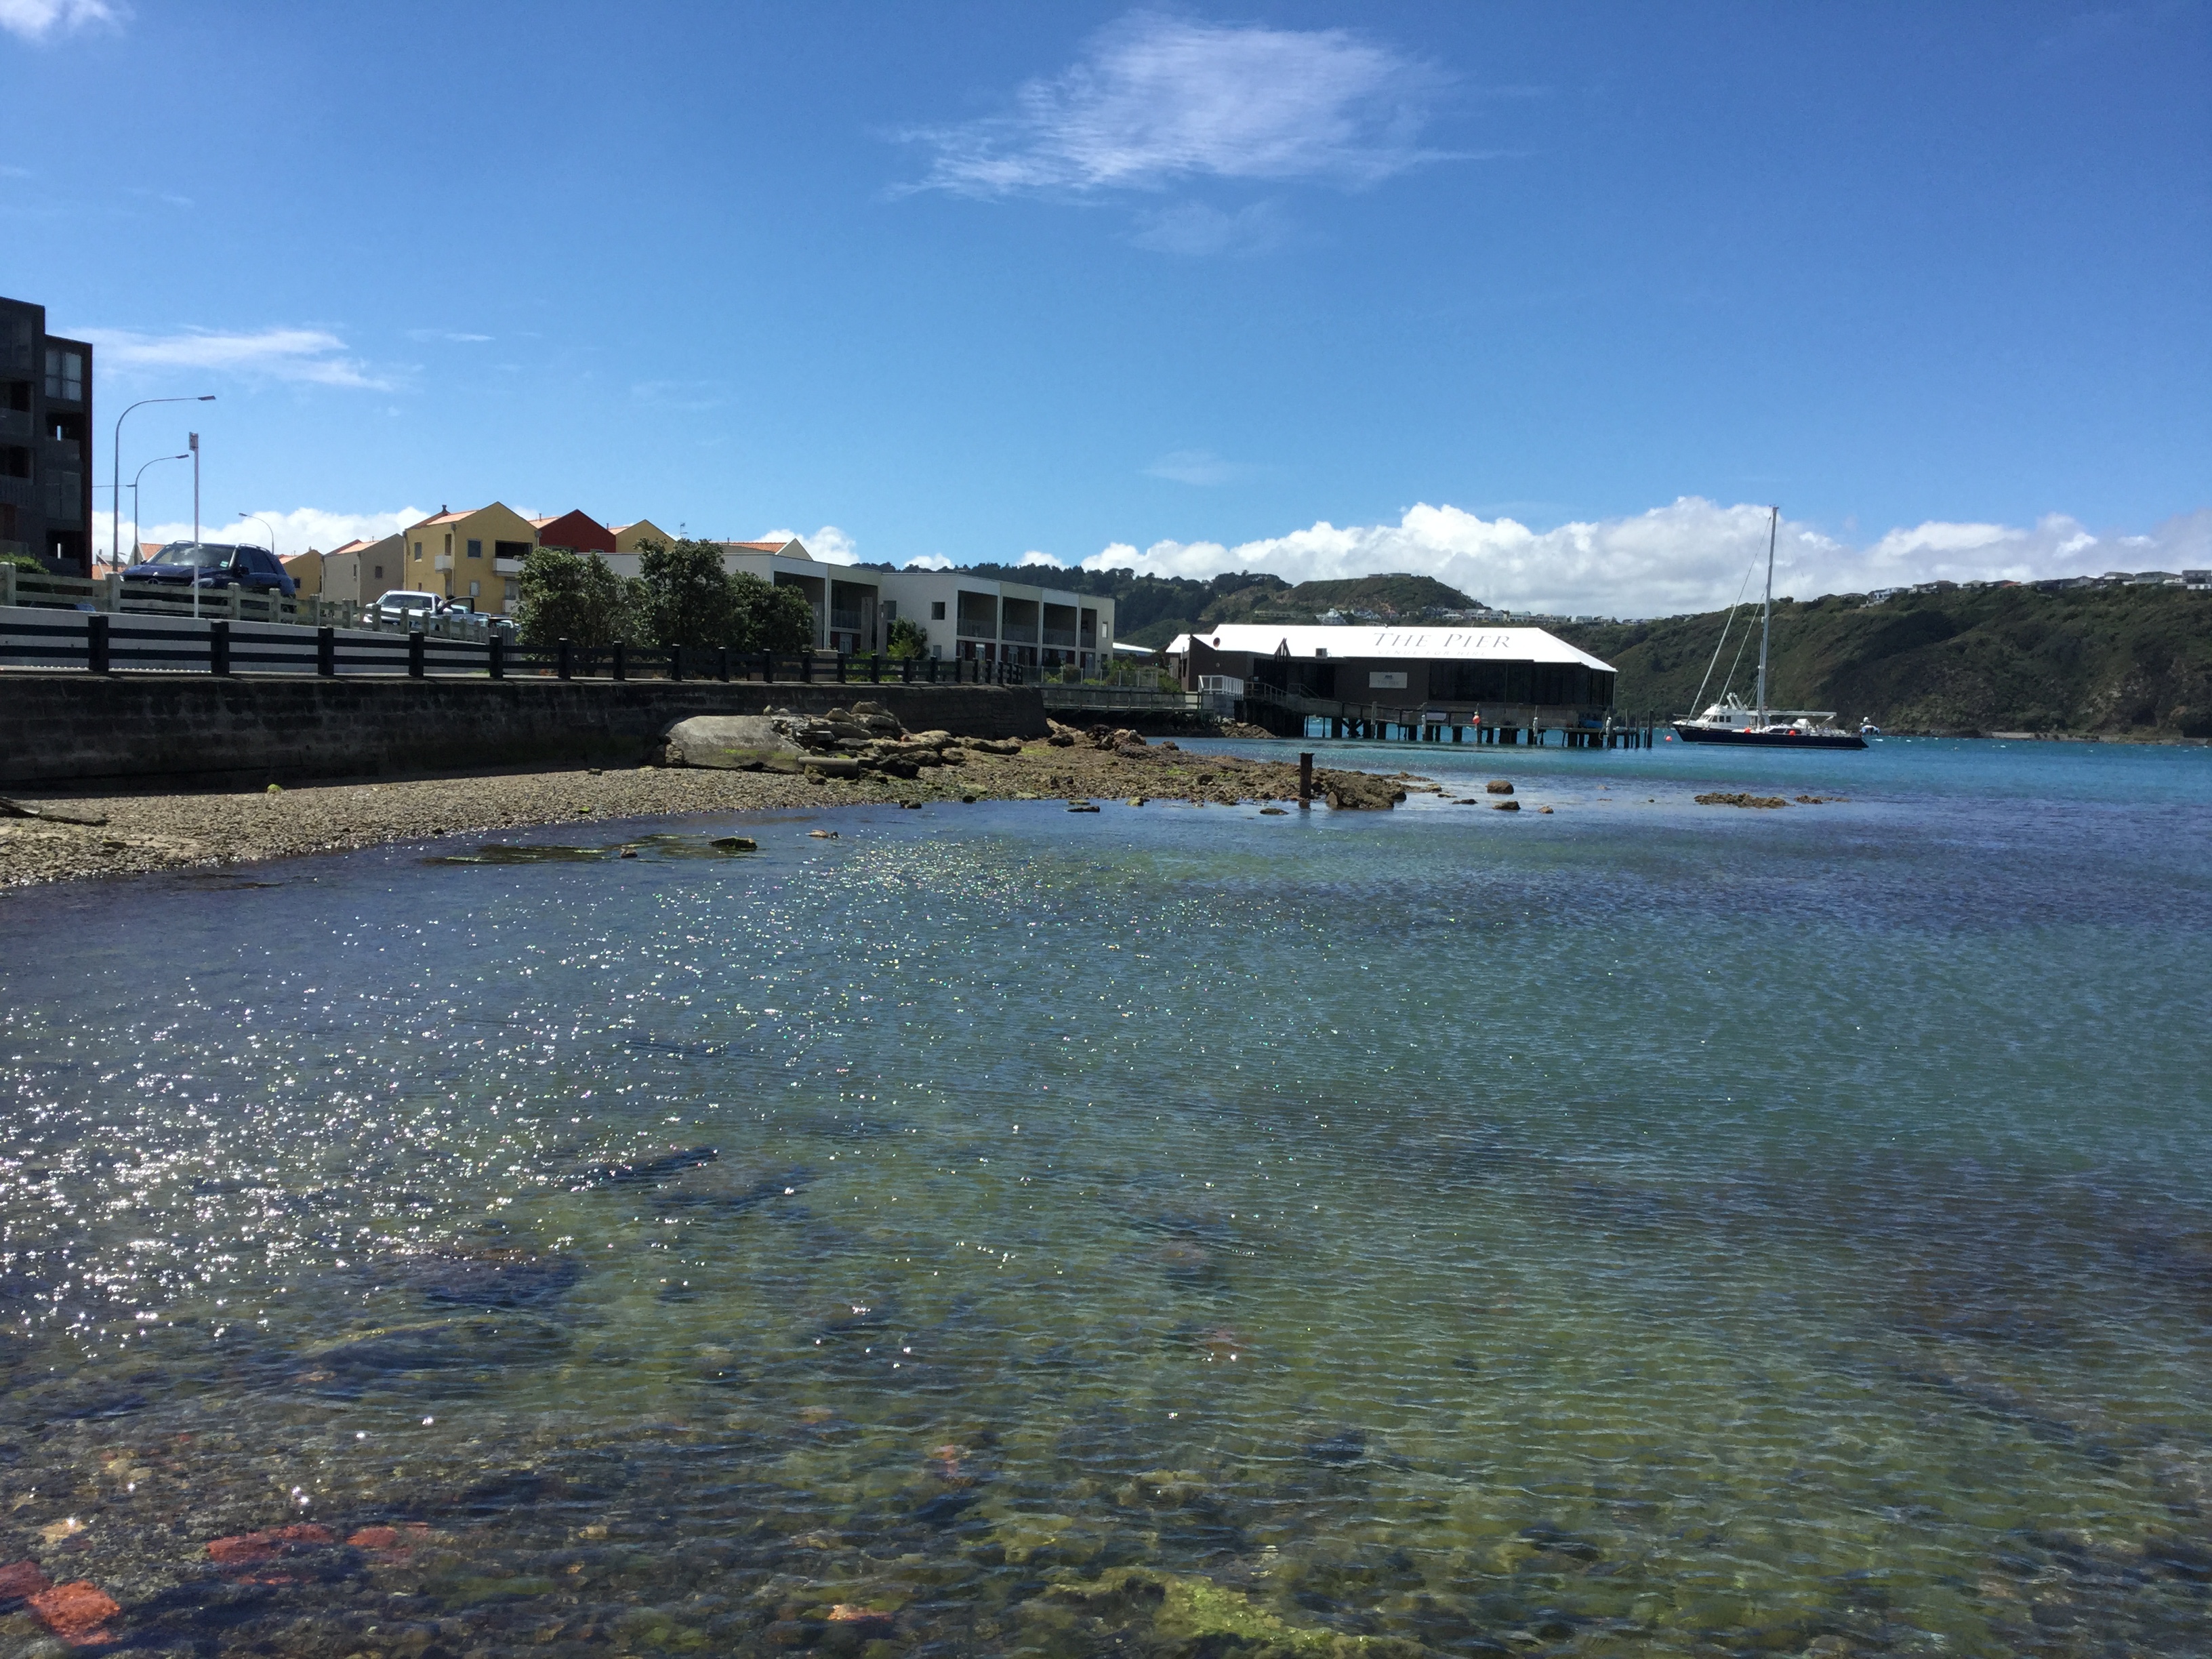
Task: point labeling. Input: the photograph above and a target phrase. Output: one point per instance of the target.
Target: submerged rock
(488, 1278)
(1193, 1616)
(646, 1172)
(20, 1581)
(75, 1611)
(250, 1549)
(1740, 798)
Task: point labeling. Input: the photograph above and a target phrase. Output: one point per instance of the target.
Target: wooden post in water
(1305, 783)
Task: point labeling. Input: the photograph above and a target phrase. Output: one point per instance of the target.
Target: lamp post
(140, 473)
(264, 524)
(115, 473)
(194, 447)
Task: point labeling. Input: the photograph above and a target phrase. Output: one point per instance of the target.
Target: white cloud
(1156, 98)
(34, 20)
(1691, 555)
(452, 336)
(298, 529)
(929, 561)
(830, 544)
(1041, 561)
(305, 356)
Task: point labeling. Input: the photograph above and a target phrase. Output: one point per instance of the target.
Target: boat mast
(1766, 612)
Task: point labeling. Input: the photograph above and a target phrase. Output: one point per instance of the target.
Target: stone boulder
(737, 743)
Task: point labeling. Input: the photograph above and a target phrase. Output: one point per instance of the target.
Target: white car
(403, 605)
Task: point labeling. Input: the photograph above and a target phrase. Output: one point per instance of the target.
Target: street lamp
(115, 474)
(140, 473)
(264, 524)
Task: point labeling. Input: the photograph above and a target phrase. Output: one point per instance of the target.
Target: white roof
(1426, 644)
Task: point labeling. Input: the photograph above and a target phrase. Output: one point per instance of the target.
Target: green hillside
(2114, 662)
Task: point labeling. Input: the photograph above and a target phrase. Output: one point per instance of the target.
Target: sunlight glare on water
(1643, 1228)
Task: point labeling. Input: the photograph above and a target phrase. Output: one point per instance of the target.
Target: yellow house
(628, 535)
(306, 569)
(473, 557)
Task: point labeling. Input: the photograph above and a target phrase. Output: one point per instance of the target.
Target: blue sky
(1546, 298)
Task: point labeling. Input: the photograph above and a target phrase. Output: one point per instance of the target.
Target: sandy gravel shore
(175, 829)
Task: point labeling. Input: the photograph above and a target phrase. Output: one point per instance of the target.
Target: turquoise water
(1640, 1228)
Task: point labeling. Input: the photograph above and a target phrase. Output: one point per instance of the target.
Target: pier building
(1495, 684)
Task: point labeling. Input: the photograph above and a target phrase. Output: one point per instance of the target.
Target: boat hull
(1691, 733)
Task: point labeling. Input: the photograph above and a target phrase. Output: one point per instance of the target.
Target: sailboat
(1753, 724)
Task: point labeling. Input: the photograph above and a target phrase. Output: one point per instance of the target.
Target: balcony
(15, 425)
(441, 562)
(504, 566)
(1062, 637)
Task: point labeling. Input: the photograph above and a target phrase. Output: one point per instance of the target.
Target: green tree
(567, 596)
(690, 600)
(908, 638)
(768, 617)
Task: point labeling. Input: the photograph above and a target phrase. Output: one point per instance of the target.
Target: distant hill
(1394, 598)
(2114, 662)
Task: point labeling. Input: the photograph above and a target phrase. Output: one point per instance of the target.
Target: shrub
(568, 596)
(908, 638)
(767, 618)
(689, 600)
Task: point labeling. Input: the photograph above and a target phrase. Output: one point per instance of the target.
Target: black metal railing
(100, 643)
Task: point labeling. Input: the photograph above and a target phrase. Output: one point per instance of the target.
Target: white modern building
(963, 616)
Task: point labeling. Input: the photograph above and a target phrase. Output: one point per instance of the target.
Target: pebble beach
(99, 832)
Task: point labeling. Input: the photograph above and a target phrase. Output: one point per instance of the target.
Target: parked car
(405, 606)
(478, 624)
(216, 564)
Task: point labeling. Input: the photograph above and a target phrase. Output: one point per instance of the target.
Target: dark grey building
(45, 441)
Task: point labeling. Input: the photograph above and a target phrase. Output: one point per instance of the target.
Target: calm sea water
(1642, 1228)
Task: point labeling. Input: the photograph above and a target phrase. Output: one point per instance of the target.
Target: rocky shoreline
(72, 836)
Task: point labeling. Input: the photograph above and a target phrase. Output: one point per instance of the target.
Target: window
(66, 374)
(380, 572)
(513, 590)
(449, 544)
(418, 552)
(937, 611)
(476, 548)
(475, 589)
(891, 611)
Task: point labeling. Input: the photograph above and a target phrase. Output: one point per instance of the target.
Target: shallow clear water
(1643, 1228)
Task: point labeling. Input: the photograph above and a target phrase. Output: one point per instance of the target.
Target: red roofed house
(576, 532)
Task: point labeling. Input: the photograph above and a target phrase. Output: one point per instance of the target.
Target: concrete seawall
(54, 728)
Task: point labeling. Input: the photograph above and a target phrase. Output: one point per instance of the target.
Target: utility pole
(195, 449)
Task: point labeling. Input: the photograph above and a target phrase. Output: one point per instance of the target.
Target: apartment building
(971, 617)
(45, 441)
(360, 572)
(474, 556)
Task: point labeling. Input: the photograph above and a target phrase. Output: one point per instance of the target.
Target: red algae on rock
(21, 1580)
(248, 1549)
(75, 1611)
